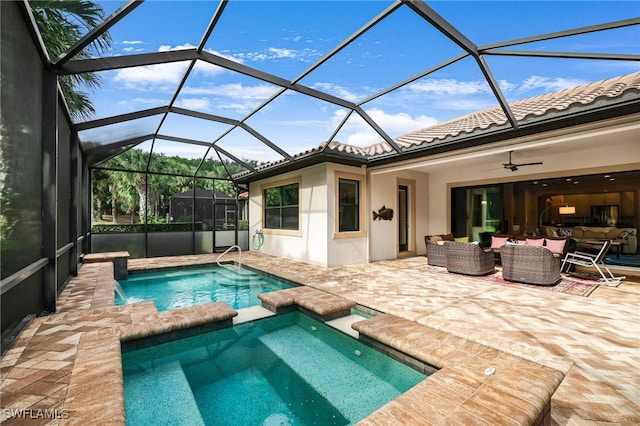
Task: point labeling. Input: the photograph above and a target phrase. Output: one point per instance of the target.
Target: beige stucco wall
(315, 243)
(309, 245)
(384, 234)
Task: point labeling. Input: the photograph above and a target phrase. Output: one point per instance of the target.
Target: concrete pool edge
(518, 392)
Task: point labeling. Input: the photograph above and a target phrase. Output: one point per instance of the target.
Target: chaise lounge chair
(468, 258)
(593, 261)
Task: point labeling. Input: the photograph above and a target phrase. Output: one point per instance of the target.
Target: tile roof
(526, 111)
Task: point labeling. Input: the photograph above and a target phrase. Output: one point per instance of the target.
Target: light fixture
(565, 208)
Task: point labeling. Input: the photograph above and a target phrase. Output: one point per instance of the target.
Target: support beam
(49, 187)
(96, 32)
(75, 184)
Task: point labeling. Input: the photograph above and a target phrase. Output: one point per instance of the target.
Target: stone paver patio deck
(594, 341)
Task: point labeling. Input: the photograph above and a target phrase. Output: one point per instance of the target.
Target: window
(348, 207)
(281, 206)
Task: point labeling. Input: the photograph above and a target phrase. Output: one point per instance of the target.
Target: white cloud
(273, 53)
(167, 48)
(401, 123)
(131, 42)
(152, 76)
(358, 132)
(132, 49)
(450, 87)
(550, 84)
(143, 78)
(197, 104)
(282, 53)
(339, 91)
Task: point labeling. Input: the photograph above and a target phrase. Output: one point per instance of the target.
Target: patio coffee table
(597, 245)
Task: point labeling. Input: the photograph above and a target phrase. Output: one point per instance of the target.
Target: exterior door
(403, 218)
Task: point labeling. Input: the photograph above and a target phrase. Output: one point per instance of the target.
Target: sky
(287, 38)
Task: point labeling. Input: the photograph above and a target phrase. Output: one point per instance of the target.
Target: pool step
(161, 393)
(332, 374)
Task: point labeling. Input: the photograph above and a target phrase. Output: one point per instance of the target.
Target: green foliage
(8, 220)
(62, 23)
(151, 219)
(119, 192)
(243, 225)
(139, 227)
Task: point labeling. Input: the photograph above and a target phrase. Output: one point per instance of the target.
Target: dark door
(403, 217)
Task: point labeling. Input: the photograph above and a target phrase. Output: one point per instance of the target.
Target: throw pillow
(556, 246)
(497, 242)
(462, 239)
(440, 243)
(435, 238)
(535, 241)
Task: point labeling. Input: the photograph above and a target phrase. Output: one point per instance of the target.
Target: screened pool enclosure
(199, 99)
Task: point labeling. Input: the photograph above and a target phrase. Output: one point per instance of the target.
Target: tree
(62, 23)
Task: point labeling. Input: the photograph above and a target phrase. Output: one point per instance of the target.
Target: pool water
(283, 370)
(176, 288)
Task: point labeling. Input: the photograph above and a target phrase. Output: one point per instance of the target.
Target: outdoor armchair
(435, 252)
(468, 258)
(530, 264)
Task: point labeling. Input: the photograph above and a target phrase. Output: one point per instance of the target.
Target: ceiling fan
(513, 166)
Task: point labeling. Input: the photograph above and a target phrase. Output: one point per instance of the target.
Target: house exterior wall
(353, 249)
(315, 243)
(310, 243)
(575, 152)
(384, 234)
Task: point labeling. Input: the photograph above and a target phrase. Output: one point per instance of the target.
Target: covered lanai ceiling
(266, 81)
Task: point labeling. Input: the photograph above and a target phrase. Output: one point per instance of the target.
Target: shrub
(139, 227)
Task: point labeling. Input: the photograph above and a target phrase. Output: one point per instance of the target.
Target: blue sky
(285, 38)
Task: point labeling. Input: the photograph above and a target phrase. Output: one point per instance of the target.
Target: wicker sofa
(530, 264)
(468, 258)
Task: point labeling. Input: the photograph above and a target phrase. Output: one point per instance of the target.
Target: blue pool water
(177, 288)
(283, 370)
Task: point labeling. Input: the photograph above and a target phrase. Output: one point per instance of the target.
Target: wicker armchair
(530, 264)
(468, 258)
(435, 252)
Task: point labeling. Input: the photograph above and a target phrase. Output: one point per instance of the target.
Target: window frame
(278, 184)
(362, 231)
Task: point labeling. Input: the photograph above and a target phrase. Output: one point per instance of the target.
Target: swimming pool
(236, 286)
(283, 370)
